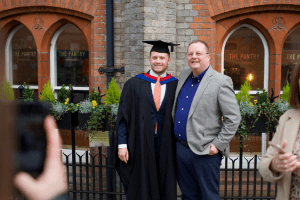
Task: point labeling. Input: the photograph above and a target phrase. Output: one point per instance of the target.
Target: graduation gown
(141, 178)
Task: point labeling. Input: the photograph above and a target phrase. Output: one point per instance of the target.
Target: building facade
(67, 41)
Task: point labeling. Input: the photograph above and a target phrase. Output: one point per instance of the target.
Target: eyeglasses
(198, 54)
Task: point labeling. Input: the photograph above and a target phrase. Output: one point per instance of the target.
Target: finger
(53, 143)
(290, 166)
(25, 183)
(284, 144)
(53, 139)
(126, 156)
(298, 164)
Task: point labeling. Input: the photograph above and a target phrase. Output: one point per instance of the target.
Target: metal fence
(96, 178)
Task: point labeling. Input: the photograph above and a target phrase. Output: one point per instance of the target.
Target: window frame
(8, 58)
(266, 55)
(53, 61)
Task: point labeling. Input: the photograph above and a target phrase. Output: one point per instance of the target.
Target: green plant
(58, 109)
(6, 91)
(261, 107)
(72, 107)
(262, 98)
(64, 93)
(28, 94)
(85, 106)
(96, 96)
(113, 93)
(286, 93)
(97, 117)
(47, 93)
(114, 112)
(243, 96)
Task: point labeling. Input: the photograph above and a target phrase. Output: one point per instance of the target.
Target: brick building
(67, 41)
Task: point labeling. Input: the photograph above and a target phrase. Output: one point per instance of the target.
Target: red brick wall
(88, 16)
(218, 18)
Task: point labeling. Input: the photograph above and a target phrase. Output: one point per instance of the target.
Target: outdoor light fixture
(250, 77)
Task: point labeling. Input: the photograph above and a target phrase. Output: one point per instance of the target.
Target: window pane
(244, 55)
(290, 56)
(72, 58)
(24, 58)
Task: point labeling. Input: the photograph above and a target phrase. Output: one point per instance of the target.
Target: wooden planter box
(260, 126)
(68, 121)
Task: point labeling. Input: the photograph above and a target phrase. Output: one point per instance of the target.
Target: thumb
(284, 144)
(25, 183)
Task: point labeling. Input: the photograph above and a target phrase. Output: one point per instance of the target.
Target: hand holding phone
(277, 147)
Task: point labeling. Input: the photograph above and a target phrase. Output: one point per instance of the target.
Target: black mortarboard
(161, 46)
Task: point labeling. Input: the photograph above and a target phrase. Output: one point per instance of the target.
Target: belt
(184, 143)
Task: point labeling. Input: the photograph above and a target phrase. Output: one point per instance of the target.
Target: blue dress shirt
(184, 103)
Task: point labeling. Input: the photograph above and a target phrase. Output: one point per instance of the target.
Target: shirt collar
(152, 73)
(200, 76)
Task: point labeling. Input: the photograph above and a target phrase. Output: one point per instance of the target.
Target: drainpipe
(110, 70)
(110, 39)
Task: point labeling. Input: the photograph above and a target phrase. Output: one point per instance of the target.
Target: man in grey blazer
(206, 116)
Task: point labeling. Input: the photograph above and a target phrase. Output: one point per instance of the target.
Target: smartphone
(31, 139)
(277, 147)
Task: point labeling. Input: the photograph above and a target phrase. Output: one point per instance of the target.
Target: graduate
(145, 130)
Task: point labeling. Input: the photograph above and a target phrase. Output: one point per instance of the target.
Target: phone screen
(31, 139)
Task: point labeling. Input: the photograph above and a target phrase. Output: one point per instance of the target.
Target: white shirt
(162, 95)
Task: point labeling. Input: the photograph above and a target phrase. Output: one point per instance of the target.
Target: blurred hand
(284, 162)
(52, 182)
(123, 154)
(213, 150)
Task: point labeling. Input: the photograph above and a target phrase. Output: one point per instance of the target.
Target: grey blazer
(213, 99)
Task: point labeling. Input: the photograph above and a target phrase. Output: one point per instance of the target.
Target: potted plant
(112, 99)
(85, 108)
(47, 93)
(91, 110)
(28, 94)
(65, 113)
(6, 91)
(103, 116)
(263, 114)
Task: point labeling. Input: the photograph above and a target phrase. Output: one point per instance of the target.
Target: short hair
(200, 41)
(158, 52)
(294, 92)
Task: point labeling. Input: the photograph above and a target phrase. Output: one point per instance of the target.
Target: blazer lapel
(201, 88)
(291, 128)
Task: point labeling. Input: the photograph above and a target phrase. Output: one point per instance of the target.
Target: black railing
(97, 179)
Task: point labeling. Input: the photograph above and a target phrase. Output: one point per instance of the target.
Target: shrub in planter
(260, 116)
(65, 113)
(64, 93)
(84, 112)
(112, 99)
(28, 94)
(113, 93)
(47, 93)
(6, 91)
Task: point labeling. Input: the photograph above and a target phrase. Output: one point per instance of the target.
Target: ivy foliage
(96, 96)
(261, 107)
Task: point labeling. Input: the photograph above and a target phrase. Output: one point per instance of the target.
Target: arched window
(69, 59)
(290, 56)
(245, 52)
(21, 59)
